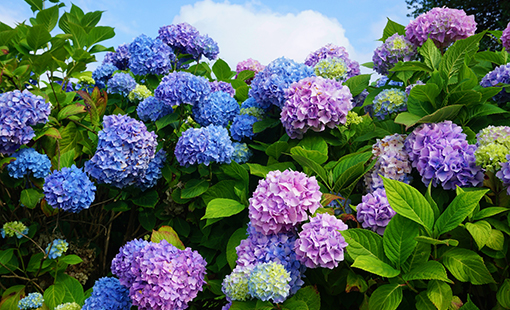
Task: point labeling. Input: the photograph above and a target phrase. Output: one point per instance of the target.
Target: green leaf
(221, 70)
(363, 242)
(169, 234)
(91, 19)
(232, 244)
(222, 207)
(194, 188)
(236, 171)
(70, 136)
(480, 231)
(71, 259)
(399, 240)
(409, 202)
(375, 265)
(469, 305)
(386, 297)
(430, 270)
(422, 99)
(419, 256)
(98, 48)
(391, 28)
(503, 294)
(72, 288)
(30, 197)
(54, 296)
(355, 282)
(310, 296)
(67, 159)
(264, 124)
(464, 97)
(313, 155)
(480, 110)
(358, 83)
(147, 219)
(350, 160)
(37, 37)
(245, 75)
(431, 54)
(442, 114)
(352, 174)
(423, 302)
(147, 200)
(456, 54)
(276, 149)
(35, 5)
(100, 33)
(262, 171)
(6, 255)
(291, 304)
(488, 212)
(462, 206)
(440, 294)
(496, 58)
(312, 165)
(80, 37)
(496, 240)
(428, 240)
(314, 143)
(167, 120)
(411, 66)
(407, 119)
(48, 17)
(467, 266)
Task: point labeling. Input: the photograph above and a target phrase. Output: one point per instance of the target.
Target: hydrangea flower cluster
(85, 83)
(282, 200)
(235, 285)
(11, 229)
(68, 306)
(29, 161)
(153, 173)
(108, 294)
(241, 153)
(504, 174)
(182, 88)
(166, 278)
(505, 37)
(124, 151)
(19, 111)
(139, 93)
(374, 212)
(185, 39)
(392, 162)
(442, 154)
(353, 118)
(152, 109)
(69, 189)
(396, 48)
(222, 86)
(249, 64)
(56, 248)
(121, 83)
(443, 25)
(203, 146)
(333, 51)
(493, 145)
(315, 103)
(125, 260)
(103, 73)
(320, 243)
(150, 56)
(269, 281)
(332, 68)
(389, 101)
(119, 58)
(268, 86)
(242, 127)
(499, 75)
(209, 47)
(218, 109)
(31, 301)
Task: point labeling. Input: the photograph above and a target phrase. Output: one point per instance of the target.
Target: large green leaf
(391, 28)
(38, 36)
(418, 257)
(314, 143)
(444, 113)
(194, 188)
(358, 83)
(262, 171)
(310, 296)
(429, 240)
(456, 54)
(464, 97)
(72, 288)
(423, 302)
(431, 54)
(147, 200)
(232, 244)
(98, 34)
(363, 242)
(430, 270)
(312, 165)
(386, 297)
(221, 70)
(440, 294)
(316, 156)
(350, 160)
(276, 149)
(80, 37)
(422, 99)
(91, 19)
(503, 294)
(222, 207)
(467, 266)
(411, 66)
(480, 231)
(48, 17)
(488, 212)
(54, 296)
(496, 240)
(30, 197)
(375, 265)
(399, 240)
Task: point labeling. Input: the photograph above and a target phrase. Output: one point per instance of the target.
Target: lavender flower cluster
(222, 86)
(150, 56)
(182, 88)
(249, 64)
(315, 103)
(119, 58)
(333, 51)
(185, 39)
(396, 48)
(108, 294)
(29, 161)
(374, 212)
(218, 109)
(505, 37)
(500, 75)
(504, 174)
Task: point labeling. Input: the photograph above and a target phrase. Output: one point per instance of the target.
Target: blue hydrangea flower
(103, 73)
(241, 153)
(269, 281)
(153, 173)
(182, 88)
(219, 108)
(388, 102)
(124, 151)
(223, 86)
(31, 301)
(269, 85)
(19, 111)
(69, 189)
(152, 109)
(150, 56)
(108, 294)
(121, 83)
(11, 229)
(242, 127)
(67, 87)
(333, 51)
(384, 80)
(119, 58)
(56, 248)
(124, 260)
(185, 39)
(203, 146)
(29, 161)
(209, 47)
(500, 75)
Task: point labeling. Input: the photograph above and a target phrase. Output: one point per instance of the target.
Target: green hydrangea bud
(140, 93)
(489, 156)
(11, 229)
(353, 118)
(68, 306)
(332, 68)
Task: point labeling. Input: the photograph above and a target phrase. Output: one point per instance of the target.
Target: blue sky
(262, 30)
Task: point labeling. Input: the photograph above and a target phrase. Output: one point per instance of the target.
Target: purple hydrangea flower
(269, 281)
(121, 83)
(219, 108)
(333, 51)
(392, 162)
(396, 48)
(119, 58)
(69, 189)
(505, 37)
(223, 86)
(443, 25)
(19, 111)
(241, 153)
(182, 88)
(500, 75)
(29, 161)
(315, 103)
(442, 154)
(108, 294)
(374, 211)
(320, 243)
(125, 260)
(150, 56)
(359, 99)
(249, 64)
(166, 278)
(388, 102)
(103, 73)
(153, 173)
(152, 109)
(185, 39)
(242, 127)
(504, 174)
(203, 146)
(268, 86)
(124, 151)
(282, 200)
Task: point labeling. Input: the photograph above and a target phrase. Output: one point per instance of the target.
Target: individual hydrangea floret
(315, 103)
(124, 151)
(235, 285)
(119, 58)
(223, 86)
(269, 85)
(443, 25)
(108, 294)
(121, 83)
(269, 281)
(19, 111)
(242, 127)
(505, 37)
(504, 174)
(125, 259)
(166, 278)
(388, 102)
(396, 48)
(442, 155)
(333, 51)
(150, 177)
(282, 200)
(68, 306)
(11, 229)
(249, 64)
(500, 75)
(152, 109)
(392, 162)
(103, 73)
(139, 93)
(69, 189)
(29, 161)
(56, 248)
(374, 212)
(150, 56)
(31, 301)
(320, 243)
(182, 88)
(241, 153)
(332, 68)
(219, 108)
(204, 146)
(493, 145)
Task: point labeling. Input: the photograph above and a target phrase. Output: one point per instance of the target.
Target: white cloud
(13, 14)
(254, 31)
